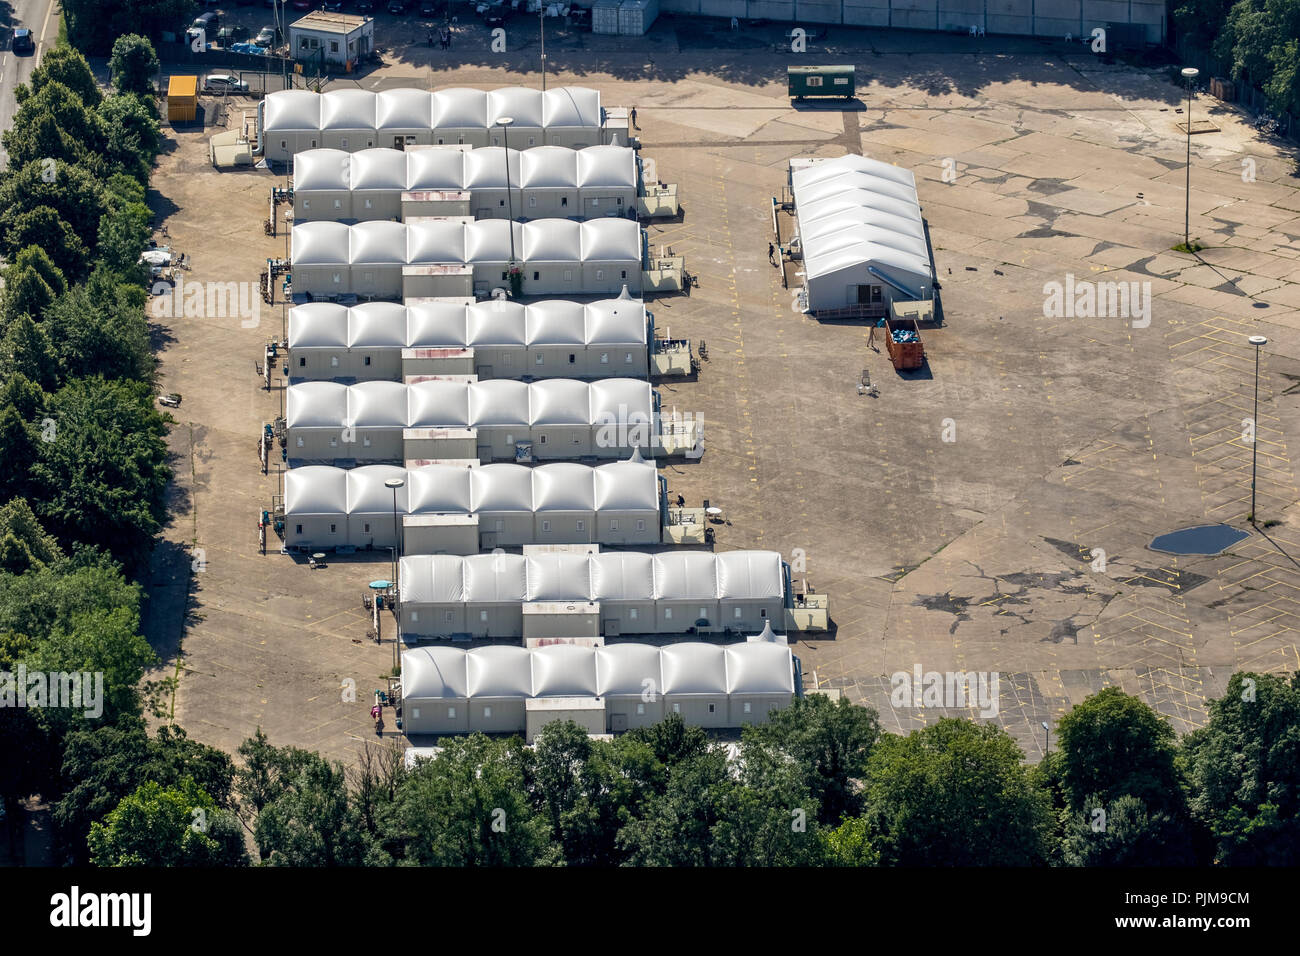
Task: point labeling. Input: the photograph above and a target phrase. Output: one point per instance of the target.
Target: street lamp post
(541, 27)
(1258, 341)
(1047, 737)
(394, 484)
(504, 122)
(1190, 73)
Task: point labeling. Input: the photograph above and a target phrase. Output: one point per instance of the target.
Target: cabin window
(640, 524)
(624, 274)
(333, 528)
(748, 708)
(367, 527)
(299, 527)
(334, 361)
(604, 358)
(581, 525)
(738, 614)
(546, 527)
(540, 360)
(532, 202)
(600, 274)
(572, 358)
(300, 442)
(345, 146)
(367, 360)
(564, 200)
(713, 708)
(677, 708)
(451, 713)
(568, 275)
(640, 709)
(415, 616)
(668, 614)
(482, 616)
(613, 524)
(334, 443)
(536, 275)
(704, 613)
(487, 711)
(302, 362)
(631, 614)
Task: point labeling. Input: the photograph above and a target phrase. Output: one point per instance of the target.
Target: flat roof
(182, 86)
(325, 22)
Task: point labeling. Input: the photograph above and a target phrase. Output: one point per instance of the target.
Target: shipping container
(821, 81)
(604, 17)
(182, 99)
(635, 17)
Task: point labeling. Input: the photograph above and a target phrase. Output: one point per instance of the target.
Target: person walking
(871, 338)
(632, 117)
(771, 253)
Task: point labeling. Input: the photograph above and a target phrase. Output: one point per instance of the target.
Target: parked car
(22, 41)
(397, 6)
(429, 10)
(333, 6)
(209, 23)
(266, 37)
(365, 6)
(228, 35)
(224, 83)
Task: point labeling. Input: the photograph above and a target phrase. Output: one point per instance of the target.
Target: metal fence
(1244, 94)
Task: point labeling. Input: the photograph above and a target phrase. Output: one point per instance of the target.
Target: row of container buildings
(488, 183)
(290, 122)
(496, 338)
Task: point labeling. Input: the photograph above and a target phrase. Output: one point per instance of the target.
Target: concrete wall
(1046, 18)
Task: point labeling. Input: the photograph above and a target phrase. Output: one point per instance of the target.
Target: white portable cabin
(378, 178)
(747, 581)
(607, 181)
(500, 685)
(630, 678)
(292, 121)
(290, 124)
(623, 583)
(686, 586)
(629, 587)
(377, 251)
(525, 108)
(495, 589)
(505, 689)
(322, 186)
(861, 234)
(347, 119)
(435, 691)
(695, 684)
(403, 117)
(491, 175)
(320, 255)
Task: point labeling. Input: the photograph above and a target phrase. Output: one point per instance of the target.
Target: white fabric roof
(564, 670)
(564, 576)
(692, 668)
(347, 109)
(747, 575)
(407, 109)
(292, 111)
(442, 241)
(321, 169)
(854, 211)
(451, 325)
(450, 169)
(498, 487)
(377, 404)
(499, 671)
(561, 401)
(316, 405)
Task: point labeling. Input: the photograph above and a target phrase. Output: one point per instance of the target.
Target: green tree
(102, 480)
(849, 844)
(24, 544)
(123, 236)
(94, 24)
(99, 328)
(133, 64)
(830, 742)
(65, 65)
(1124, 832)
(469, 807)
(17, 451)
(75, 195)
(1243, 771)
(132, 134)
(955, 794)
(43, 226)
(54, 123)
(174, 826)
(25, 350)
(25, 293)
(311, 821)
(103, 764)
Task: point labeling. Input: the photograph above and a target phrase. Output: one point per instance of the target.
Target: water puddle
(1203, 539)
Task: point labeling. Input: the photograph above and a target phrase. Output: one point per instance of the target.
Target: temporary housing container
(329, 507)
(295, 120)
(383, 259)
(861, 235)
(182, 99)
(631, 589)
(503, 689)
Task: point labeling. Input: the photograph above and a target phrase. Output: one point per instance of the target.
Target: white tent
(632, 588)
(605, 338)
(295, 120)
(449, 690)
(556, 256)
(861, 233)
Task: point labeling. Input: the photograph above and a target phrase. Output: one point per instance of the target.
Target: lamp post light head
(505, 120)
(1044, 724)
(1257, 340)
(394, 483)
(1190, 72)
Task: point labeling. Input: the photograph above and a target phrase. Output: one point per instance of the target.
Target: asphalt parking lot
(1072, 436)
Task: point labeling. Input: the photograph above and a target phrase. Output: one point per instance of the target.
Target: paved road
(37, 16)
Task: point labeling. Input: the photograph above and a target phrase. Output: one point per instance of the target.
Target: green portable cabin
(821, 81)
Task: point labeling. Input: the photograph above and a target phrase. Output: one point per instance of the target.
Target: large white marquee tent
(861, 234)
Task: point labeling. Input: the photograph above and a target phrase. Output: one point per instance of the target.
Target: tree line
(818, 785)
(1258, 41)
